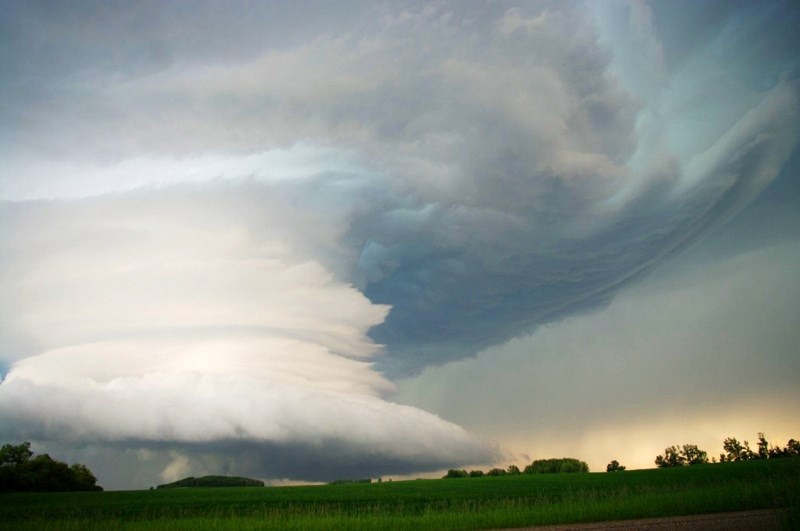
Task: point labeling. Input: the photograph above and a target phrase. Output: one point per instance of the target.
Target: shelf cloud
(192, 330)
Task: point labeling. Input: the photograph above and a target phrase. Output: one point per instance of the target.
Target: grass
(470, 503)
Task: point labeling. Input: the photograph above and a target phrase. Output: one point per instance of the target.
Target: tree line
(673, 456)
(21, 471)
(690, 454)
(562, 465)
(212, 481)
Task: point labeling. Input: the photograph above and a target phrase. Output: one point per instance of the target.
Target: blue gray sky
(301, 242)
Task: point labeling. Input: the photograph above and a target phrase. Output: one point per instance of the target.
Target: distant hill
(213, 481)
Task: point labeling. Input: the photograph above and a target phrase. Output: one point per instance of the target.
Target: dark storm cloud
(460, 279)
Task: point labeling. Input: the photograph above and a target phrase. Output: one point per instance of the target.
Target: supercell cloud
(231, 227)
(174, 320)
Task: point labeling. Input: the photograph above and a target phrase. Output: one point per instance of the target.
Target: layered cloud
(294, 193)
(296, 409)
(173, 321)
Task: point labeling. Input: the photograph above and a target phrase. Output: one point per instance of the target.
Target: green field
(470, 503)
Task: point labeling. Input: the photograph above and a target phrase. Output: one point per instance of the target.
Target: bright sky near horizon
(302, 241)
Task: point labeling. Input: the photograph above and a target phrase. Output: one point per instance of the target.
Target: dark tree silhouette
(688, 454)
(20, 471)
(736, 451)
(694, 455)
(556, 466)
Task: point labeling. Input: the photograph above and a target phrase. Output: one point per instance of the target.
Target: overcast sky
(302, 241)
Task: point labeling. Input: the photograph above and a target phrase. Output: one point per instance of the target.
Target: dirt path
(766, 520)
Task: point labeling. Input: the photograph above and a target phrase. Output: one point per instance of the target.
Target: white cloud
(59, 179)
(436, 99)
(265, 390)
(173, 317)
(177, 469)
(176, 260)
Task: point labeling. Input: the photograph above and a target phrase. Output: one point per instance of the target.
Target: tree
(763, 446)
(513, 470)
(614, 466)
(792, 449)
(736, 451)
(693, 455)
(20, 471)
(11, 455)
(556, 466)
(83, 476)
(43, 473)
(496, 472)
(475, 473)
(672, 457)
(456, 474)
(688, 454)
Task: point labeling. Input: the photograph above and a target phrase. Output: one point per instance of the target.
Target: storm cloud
(247, 224)
(171, 320)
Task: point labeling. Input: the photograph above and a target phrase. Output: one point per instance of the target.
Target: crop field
(468, 503)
